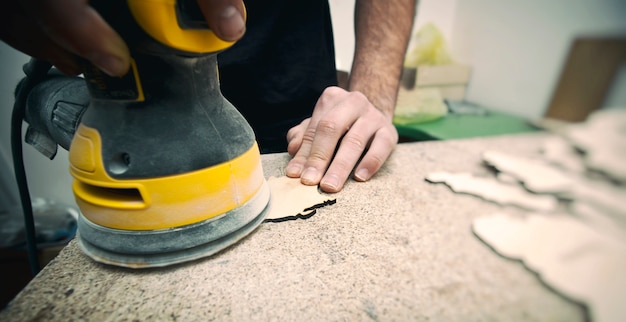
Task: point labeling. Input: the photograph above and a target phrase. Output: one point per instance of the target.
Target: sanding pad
(157, 248)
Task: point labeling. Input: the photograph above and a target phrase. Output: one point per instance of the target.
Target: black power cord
(36, 71)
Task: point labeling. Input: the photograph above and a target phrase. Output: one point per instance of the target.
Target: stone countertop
(393, 248)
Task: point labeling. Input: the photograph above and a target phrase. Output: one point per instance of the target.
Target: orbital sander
(165, 169)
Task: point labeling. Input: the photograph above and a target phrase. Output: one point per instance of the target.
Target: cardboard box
(451, 80)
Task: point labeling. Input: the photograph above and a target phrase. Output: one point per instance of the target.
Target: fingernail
(232, 25)
(111, 65)
(309, 176)
(330, 181)
(293, 170)
(362, 175)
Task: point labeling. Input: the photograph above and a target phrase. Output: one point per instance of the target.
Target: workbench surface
(394, 248)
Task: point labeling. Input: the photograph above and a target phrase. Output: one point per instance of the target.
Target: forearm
(382, 31)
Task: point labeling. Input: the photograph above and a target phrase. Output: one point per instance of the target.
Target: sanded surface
(394, 248)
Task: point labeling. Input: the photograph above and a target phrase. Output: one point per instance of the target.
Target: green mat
(459, 126)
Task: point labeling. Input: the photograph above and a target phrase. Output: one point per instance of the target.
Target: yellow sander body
(166, 170)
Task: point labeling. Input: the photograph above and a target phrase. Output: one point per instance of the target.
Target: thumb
(225, 17)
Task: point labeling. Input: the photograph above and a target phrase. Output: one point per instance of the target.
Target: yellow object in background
(429, 78)
(430, 48)
(419, 106)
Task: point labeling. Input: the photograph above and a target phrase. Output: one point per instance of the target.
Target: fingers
(370, 134)
(350, 150)
(57, 30)
(379, 151)
(225, 17)
(339, 130)
(304, 141)
(32, 40)
(76, 27)
(295, 135)
(329, 145)
(303, 136)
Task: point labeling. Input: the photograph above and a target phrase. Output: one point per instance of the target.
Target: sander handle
(54, 109)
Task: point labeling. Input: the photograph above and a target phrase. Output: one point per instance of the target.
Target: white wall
(8, 75)
(47, 179)
(342, 17)
(439, 12)
(616, 98)
(517, 48)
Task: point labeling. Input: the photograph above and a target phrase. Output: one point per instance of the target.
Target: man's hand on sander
(58, 30)
(328, 145)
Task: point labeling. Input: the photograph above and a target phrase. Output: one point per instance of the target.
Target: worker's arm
(348, 125)
(58, 30)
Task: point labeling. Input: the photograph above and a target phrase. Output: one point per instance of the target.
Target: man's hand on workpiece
(344, 127)
(348, 125)
(58, 30)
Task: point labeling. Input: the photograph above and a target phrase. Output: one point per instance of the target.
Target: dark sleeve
(277, 71)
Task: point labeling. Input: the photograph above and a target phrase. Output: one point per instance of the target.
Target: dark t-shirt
(277, 71)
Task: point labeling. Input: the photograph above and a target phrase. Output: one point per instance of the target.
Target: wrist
(383, 99)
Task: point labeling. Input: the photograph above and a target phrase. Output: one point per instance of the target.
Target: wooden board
(586, 77)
